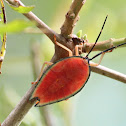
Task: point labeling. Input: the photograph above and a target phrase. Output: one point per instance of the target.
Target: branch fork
(16, 116)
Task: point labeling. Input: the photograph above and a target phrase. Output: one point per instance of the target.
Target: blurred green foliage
(22, 9)
(102, 101)
(15, 26)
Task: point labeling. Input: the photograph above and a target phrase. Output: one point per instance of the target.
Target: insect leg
(62, 46)
(96, 64)
(77, 49)
(46, 62)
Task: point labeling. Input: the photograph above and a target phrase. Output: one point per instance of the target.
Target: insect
(66, 77)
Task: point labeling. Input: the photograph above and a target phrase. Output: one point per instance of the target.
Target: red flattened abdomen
(62, 80)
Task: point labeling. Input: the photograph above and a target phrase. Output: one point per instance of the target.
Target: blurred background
(102, 101)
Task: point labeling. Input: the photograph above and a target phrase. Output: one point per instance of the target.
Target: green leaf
(15, 26)
(22, 9)
(79, 34)
(84, 37)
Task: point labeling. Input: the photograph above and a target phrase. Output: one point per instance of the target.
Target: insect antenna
(97, 37)
(107, 50)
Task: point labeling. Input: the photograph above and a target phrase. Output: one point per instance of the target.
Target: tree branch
(75, 8)
(109, 73)
(72, 17)
(101, 46)
(21, 109)
(39, 23)
(16, 116)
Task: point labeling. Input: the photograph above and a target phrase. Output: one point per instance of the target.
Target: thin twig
(32, 17)
(101, 46)
(75, 7)
(109, 73)
(16, 116)
(72, 17)
(4, 36)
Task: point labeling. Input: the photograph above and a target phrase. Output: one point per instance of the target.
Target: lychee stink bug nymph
(66, 77)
